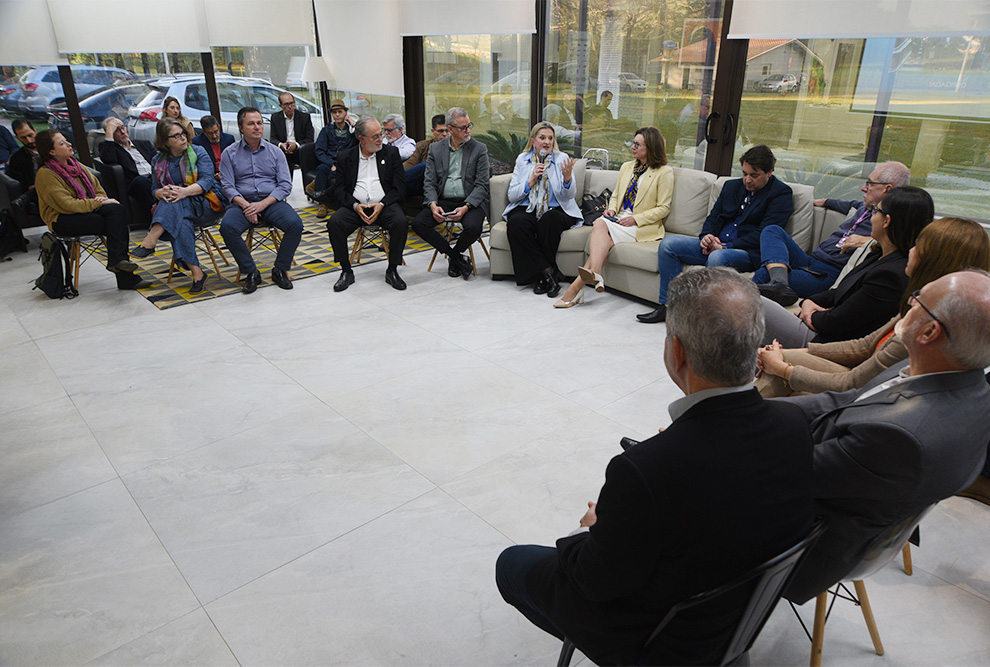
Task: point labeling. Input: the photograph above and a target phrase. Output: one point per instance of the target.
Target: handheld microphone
(543, 154)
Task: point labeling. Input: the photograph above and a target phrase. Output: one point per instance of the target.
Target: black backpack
(55, 279)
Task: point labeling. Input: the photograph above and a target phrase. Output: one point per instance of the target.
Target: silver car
(41, 86)
(235, 93)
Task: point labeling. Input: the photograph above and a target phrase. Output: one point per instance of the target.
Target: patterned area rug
(314, 256)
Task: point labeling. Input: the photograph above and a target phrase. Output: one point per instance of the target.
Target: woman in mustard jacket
(635, 213)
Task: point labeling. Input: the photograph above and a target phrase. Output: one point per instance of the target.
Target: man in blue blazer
(915, 434)
(731, 233)
(213, 140)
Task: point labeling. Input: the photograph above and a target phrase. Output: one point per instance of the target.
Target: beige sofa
(632, 267)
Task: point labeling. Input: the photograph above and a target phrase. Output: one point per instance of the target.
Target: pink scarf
(75, 175)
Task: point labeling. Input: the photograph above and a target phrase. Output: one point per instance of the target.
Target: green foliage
(502, 148)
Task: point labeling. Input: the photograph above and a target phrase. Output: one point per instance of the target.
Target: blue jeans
(324, 177)
(511, 569)
(675, 250)
(279, 215)
(777, 247)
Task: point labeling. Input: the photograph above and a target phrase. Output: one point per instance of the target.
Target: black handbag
(593, 206)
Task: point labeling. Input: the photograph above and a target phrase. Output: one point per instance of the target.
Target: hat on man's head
(337, 104)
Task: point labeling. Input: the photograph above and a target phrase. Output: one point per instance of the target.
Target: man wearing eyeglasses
(789, 273)
(213, 140)
(415, 166)
(455, 188)
(394, 128)
(290, 128)
(134, 157)
(914, 435)
(370, 186)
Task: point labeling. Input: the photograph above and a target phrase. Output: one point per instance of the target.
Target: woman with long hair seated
(541, 206)
(182, 182)
(172, 109)
(869, 295)
(73, 203)
(635, 213)
(943, 247)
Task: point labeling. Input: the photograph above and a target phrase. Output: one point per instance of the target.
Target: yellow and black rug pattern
(313, 257)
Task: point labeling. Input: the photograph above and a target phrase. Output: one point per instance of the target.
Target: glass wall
(926, 101)
(617, 65)
(489, 76)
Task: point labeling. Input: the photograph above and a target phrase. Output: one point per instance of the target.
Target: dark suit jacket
(866, 298)
(886, 457)
(725, 488)
(113, 153)
(475, 172)
(771, 205)
(204, 143)
(302, 123)
(21, 168)
(390, 171)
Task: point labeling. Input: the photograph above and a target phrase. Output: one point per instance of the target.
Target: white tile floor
(307, 477)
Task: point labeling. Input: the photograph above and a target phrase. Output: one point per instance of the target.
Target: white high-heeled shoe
(570, 304)
(592, 278)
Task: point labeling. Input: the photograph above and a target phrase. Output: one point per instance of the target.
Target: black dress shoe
(541, 286)
(131, 281)
(346, 280)
(141, 252)
(627, 442)
(281, 278)
(553, 287)
(453, 266)
(198, 285)
(658, 314)
(467, 269)
(251, 282)
(782, 293)
(393, 279)
(123, 266)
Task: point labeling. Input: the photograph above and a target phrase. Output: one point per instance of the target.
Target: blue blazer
(771, 205)
(204, 143)
(519, 186)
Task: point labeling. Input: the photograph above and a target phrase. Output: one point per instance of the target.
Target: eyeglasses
(442, 130)
(287, 104)
(177, 135)
(914, 297)
(636, 144)
(876, 209)
(461, 128)
(869, 183)
(389, 130)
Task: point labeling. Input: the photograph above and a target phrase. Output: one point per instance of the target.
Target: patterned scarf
(629, 199)
(190, 174)
(539, 195)
(73, 173)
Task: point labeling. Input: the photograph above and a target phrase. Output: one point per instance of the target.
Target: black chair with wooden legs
(764, 585)
(884, 548)
(448, 235)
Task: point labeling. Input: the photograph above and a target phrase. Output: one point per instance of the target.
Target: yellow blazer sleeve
(56, 197)
(653, 197)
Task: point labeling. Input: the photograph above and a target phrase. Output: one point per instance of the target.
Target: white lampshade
(316, 68)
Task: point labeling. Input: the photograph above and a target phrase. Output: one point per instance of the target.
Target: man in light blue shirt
(256, 181)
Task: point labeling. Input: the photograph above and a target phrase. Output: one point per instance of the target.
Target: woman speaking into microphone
(541, 206)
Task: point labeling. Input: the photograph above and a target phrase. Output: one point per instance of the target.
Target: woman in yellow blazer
(635, 213)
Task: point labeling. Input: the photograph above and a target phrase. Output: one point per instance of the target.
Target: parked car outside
(235, 93)
(10, 94)
(41, 86)
(115, 101)
(630, 82)
(779, 83)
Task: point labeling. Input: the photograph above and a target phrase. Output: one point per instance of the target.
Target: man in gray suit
(914, 435)
(455, 188)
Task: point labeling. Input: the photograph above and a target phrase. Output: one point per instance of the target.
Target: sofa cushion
(690, 204)
(574, 240)
(642, 256)
(596, 180)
